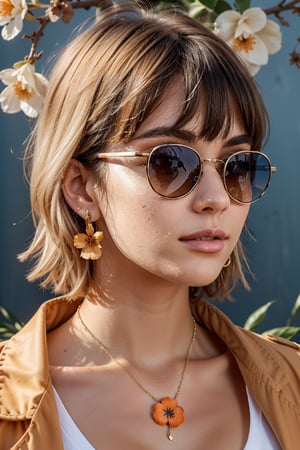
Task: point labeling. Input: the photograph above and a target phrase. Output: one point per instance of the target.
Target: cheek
(130, 209)
(138, 232)
(238, 218)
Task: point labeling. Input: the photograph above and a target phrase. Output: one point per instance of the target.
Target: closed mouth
(205, 235)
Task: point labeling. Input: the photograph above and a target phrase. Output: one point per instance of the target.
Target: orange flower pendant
(167, 412)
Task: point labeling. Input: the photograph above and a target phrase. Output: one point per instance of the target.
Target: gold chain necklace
(166, 410)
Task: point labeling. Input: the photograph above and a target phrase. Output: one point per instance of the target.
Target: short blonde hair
(105, 84)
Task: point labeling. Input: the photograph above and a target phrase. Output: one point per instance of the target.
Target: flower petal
(259, 55)
(169, 403)
(271, 36)
(13, 28)
(26, 75)
(91, 252)
(29, 86)
(9, 101)
(32, 107)
(253, 68)
(35, 80)
(81, 240)
(167, 412)
(41, 83)
(7, 76)
(178, 417)
(158, 414)
(4, 20)
(252, 20)
(226, 23)
(98, 237)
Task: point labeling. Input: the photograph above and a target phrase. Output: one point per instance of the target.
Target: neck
(148, 328)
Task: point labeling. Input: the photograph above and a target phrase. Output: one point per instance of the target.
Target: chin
(204, 274)
(201, 277)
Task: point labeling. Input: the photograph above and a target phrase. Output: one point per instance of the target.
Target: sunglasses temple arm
(121, 155)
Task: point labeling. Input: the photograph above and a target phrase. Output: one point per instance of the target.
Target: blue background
(274, 256)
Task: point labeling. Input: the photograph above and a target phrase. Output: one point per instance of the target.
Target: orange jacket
(28, 415)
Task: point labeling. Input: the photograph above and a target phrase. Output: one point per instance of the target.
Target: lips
(208, 241)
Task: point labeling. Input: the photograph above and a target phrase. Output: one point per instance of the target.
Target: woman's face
(186, 240)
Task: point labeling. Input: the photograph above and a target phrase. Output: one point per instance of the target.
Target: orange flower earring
(89, 242)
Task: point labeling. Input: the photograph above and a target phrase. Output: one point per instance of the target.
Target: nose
(210, 194)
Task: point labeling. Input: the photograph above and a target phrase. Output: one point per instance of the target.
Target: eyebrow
(186, 135)
(237, 140)
(189, 136)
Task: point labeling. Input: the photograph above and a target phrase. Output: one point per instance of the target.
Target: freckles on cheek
(160, 221)
(134, 213)
(148, 214)
(152, 222)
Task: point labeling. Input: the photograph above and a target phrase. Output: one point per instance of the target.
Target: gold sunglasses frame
(134, 154)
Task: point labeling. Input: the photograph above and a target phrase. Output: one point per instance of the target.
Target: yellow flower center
(21, 92)
(6, 8)
(244, 44)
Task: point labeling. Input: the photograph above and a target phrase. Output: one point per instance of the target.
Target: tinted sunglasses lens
(173, 170)
(247, 176)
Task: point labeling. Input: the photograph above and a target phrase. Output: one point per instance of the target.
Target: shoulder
(282, 343)
(273, 362)
(275, 344)
(255, 352)
(25, 384)
(285, 351)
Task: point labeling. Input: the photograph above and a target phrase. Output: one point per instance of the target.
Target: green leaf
(196, 9)
(4, 313)
(242, 5)
(3, 328)
(209, 4)
(200, 8)
(6, 326)
(11, 324)
(222, 6)
(18, 325)
(257, 316)
(284, 332)
(10, 317)
(4, 336)
(296, 307)
(6, 331)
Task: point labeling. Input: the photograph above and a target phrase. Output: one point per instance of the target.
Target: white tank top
(260, 435)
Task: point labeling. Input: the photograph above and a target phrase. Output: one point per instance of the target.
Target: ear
(79, 189)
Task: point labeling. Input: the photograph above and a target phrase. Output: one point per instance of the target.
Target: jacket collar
(24, 364)
(254, 353)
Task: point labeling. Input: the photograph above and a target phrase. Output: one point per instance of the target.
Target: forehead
(168, 112)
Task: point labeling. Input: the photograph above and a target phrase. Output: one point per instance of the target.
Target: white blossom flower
(12, 13)
(251, 35)
(25, 90)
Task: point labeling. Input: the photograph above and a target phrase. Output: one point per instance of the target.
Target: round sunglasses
(174, 170)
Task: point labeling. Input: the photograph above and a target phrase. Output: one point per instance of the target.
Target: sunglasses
(174, 170)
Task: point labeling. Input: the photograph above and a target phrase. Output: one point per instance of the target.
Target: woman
(148, 151)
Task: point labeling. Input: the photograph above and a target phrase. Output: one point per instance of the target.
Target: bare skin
(139, 304)
(113, 412)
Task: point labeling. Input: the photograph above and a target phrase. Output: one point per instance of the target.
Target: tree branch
(282, 6)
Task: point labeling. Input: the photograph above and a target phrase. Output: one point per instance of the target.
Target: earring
(89, 242)
(228, 262)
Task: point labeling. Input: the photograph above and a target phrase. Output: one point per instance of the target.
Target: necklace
(166, 410)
